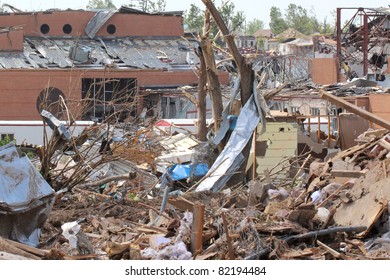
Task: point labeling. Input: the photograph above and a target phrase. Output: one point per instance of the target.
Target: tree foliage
(277, 22)
(298, 18)
(253, 26)
(193, 18)
(101, 4)
(152, 6)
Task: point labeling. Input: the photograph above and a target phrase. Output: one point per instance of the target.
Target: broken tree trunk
(201, 104)
(244, 66)
(212, 72)
(247, 77)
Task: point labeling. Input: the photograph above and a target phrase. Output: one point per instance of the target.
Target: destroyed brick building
(291, 170)
(93, 58)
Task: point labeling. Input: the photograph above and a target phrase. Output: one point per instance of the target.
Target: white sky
(252, 8)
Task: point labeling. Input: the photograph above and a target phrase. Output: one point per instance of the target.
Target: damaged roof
(124, 52)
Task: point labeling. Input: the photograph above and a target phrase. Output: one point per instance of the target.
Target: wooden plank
(333, 252)
(348, 173)
(384, 144)
(181, 203)
(197, 229)
(355, 109)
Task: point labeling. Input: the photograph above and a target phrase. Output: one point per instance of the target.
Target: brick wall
(11, 39)
(126, 24)
(20, 88)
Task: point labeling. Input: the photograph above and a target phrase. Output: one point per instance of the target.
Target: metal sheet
(97, 21)
(222, 169)
(26, 199)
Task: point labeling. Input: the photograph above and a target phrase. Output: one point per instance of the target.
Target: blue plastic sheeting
(184, 171)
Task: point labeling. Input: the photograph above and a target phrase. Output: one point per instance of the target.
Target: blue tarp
(184, 171)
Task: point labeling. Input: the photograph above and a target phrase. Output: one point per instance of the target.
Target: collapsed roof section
(94, 39)
(141, 53)
(364, 39)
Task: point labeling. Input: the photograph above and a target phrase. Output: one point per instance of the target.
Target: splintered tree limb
(322, 232)
(210, 70)
(225, 31)
(103, 181)
(245, 69)
(201, 103)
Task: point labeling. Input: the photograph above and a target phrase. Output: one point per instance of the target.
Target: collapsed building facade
(95, 63)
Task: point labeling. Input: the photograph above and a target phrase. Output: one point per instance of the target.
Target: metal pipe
(328, 131)
(338, 38)
(365, 45)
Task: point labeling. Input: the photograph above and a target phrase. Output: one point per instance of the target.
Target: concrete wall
(126, 24)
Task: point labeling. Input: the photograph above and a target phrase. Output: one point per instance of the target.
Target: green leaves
(101, 4)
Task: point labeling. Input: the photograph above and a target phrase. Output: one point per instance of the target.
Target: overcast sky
(252, 8)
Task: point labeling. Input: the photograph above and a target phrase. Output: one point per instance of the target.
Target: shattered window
(105, 97)
(7, 136)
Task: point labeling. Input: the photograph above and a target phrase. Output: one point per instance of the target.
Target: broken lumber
(130, 176)
(6, 246)
(355, 109)
(348, 173)
(31, 250)
(228, 238)
(181, 203)
(333, 252)
(197, 228)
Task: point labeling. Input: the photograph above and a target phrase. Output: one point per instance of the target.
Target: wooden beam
(348, 173)
(181, 203)
(354, 109)
(197, 229)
